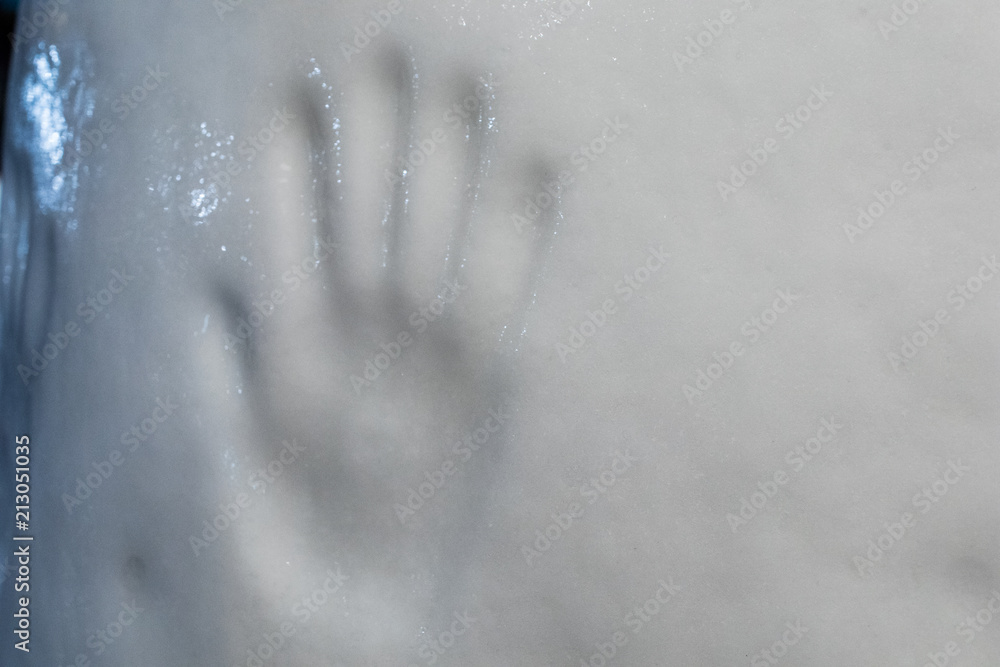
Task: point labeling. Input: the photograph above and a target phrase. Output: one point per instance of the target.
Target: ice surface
(521, 333)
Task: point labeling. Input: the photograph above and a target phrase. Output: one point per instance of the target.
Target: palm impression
(384, 342)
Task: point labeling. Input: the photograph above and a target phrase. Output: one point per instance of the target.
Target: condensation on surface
(326, 161)
(211, 157)
(188, 162)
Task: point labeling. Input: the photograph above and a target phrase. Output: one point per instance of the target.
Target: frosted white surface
(518, 333)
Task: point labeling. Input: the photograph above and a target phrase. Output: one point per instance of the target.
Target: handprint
(400, 377)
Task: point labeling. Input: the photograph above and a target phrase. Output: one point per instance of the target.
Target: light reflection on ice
(203, 202)
(46, 98)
